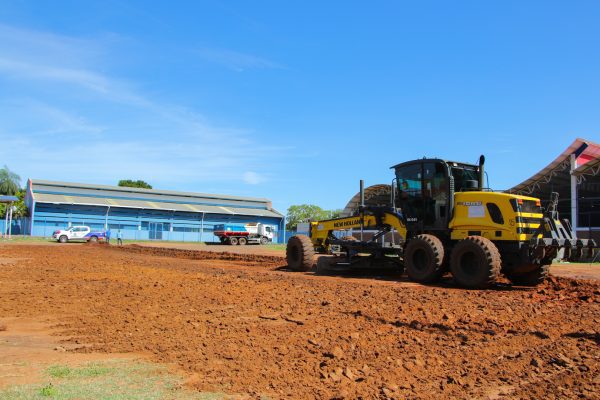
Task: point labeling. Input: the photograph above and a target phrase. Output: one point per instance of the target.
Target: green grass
(48, 391)
(275, 246)
(90, 370)
(113, 241)
(59, 371)
(114, 380)
(24, 238)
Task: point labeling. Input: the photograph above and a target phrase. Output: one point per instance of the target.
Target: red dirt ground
(28, 347)
(244, 325)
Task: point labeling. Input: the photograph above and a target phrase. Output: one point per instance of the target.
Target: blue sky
(292, 100)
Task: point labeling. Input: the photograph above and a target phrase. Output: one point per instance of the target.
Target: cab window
(409, 181)
(423, 193)
(462, 176)
(435, 194)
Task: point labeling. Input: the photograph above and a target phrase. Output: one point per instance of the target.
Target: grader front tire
(423, 258)
(300, 253)
(475, 262)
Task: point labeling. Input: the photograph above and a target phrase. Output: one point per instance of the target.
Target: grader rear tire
(475, 262)
(423, 258)
(300, 253)
(531, 278)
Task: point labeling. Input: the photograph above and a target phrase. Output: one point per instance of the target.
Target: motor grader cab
(449, 223)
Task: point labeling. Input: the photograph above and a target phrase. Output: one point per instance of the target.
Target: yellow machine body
(320, 231)
(495, 216)
(447, 222)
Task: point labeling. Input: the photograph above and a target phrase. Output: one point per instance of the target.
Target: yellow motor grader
(446, 221)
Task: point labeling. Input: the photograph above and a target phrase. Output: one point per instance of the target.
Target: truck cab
(252, 232)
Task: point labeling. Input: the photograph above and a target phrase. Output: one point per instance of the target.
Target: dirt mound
(253, 259)
(567, 291)
(241, 328)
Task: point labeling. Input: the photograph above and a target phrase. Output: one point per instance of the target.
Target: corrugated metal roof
(151, 205)
(558, 171)
(589, 168)
(255, 212)
(374, 195)
(8, 199)
(121, 191)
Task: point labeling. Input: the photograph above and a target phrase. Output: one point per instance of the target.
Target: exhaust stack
(481, 171)
(362, 193)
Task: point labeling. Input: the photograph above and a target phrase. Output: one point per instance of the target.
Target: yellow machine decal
(322, 230)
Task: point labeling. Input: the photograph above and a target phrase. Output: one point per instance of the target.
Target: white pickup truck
(78, 233)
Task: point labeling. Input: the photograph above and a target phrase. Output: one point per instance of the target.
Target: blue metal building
(142, 214)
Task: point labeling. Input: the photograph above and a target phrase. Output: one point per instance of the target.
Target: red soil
(244, 325)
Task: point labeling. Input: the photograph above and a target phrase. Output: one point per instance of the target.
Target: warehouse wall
(139, 224)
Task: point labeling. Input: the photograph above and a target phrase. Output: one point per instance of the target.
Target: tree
(20, 209)
(335, 213)
(304, 213)
(136, 184)
(9, 182)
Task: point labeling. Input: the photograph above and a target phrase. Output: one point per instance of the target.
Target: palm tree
(9, 182)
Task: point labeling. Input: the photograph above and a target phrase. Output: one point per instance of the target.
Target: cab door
(436, 195)
(410, 192)
(423, 194)
(78, 232)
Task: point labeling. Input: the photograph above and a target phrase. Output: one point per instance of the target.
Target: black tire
(242, 241)
(300, 253)
(423, 258)
(475, 262)
(264, 240)
(94, 239)
(233, 241)
(531, 278)
(63, 239)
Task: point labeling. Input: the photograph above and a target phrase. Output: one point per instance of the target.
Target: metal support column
(574, 221)
(5, 228)
(202, 226)
(10, 220)
(284, 229)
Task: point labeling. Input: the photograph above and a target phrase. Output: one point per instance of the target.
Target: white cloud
(45, 119)
(235, 60)
(252, 178)
(69, 111)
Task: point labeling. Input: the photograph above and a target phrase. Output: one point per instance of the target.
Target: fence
(19, 226)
